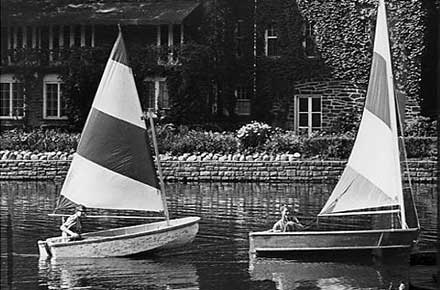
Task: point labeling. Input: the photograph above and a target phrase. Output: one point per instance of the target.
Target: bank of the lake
(222, 169)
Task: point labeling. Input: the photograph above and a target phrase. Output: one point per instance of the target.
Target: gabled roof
(25, 12)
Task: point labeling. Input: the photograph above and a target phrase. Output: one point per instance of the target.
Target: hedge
(177, 141)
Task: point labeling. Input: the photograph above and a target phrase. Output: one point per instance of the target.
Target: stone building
(296, 64)
(39, 36)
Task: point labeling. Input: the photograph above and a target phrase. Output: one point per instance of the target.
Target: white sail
(113, 167)
(372, 177)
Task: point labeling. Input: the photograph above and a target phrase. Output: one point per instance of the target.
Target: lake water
(217, 259)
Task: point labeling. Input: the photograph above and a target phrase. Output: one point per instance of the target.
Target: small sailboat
(371, 183)
(113, 169)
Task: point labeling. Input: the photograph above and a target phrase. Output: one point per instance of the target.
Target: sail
(372, 177)
(113, 166)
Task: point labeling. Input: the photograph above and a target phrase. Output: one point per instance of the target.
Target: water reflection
(118, 273)
(217, 259)
(336, 272)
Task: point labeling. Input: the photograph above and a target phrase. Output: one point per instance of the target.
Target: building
(38, 38)
(301, 65)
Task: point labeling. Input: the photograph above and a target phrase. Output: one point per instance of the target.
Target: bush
(39, 140)
(421, 126)
(254, 135)
(421, 147)
(338, 147)
(184, 140)
(284, 142)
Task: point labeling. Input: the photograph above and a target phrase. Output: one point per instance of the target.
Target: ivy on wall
(209, 70)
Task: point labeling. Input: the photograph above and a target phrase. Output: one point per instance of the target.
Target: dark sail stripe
(118, 146)
(377, 101)
(119, 52)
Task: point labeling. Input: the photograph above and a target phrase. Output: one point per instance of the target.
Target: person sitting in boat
(288, 222)
(72, 220)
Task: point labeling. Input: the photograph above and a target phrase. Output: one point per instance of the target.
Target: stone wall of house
(337, 96)
(277, 171)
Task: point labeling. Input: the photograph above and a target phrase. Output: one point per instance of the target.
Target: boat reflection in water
(117, 273)
(328, 273)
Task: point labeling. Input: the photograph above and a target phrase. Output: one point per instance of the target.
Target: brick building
(296, 64)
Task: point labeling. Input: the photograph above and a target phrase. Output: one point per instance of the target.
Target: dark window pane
(316, 120)
(51, 100)
(303, 120)
(272, 47)
(163, 95)
(316, 104)
(17, 99)
(4, 99)
(303, 104)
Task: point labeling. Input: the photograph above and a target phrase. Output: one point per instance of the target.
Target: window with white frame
(11, 98)
(156, 94)
(54, 106)
(309, 112)
(271, 40)
(309, 44)
(243, 102)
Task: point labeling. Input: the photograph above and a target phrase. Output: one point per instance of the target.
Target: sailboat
(371, 183)
(113, 169)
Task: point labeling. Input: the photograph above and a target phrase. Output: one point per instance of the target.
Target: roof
(25, 12)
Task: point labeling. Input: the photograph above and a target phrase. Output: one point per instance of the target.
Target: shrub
(421, 126)
(254, 135)
(184, 140)
(39, 140)
(338, 147)
(284, 142)
(421, 147)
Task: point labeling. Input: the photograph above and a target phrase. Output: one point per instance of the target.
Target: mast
(159, 168)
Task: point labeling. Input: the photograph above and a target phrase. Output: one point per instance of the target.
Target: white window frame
(157, 82)
(10, 79)
(242, 96)
(268, 37)
(52, 79)
(309, 112)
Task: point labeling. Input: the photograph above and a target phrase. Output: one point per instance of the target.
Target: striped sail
(372, 177)
(113, 167)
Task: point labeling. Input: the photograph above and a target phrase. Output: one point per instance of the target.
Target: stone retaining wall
(302, 171)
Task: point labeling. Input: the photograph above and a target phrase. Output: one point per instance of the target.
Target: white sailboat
(371, 183)
(113, 169)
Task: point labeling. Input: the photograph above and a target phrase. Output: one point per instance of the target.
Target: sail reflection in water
(218, 259)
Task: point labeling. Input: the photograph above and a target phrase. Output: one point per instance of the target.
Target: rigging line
(405, 157)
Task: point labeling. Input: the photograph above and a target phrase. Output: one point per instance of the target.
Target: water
(217, 259)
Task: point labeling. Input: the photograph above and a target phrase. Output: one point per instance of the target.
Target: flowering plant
(254, 134)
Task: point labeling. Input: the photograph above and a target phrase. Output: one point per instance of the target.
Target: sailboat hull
(364, 240)
(125, 241)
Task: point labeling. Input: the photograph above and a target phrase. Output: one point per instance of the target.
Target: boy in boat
(72, 220)
(288, 222)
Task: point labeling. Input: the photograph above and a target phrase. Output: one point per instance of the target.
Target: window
(242, 104)
(156, 95)
(11, 98)
(309, 44)
(309, 113)
(271, 41)
(239, 36)
(53, 103)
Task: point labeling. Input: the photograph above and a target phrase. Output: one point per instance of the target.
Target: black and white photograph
(220, 144)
